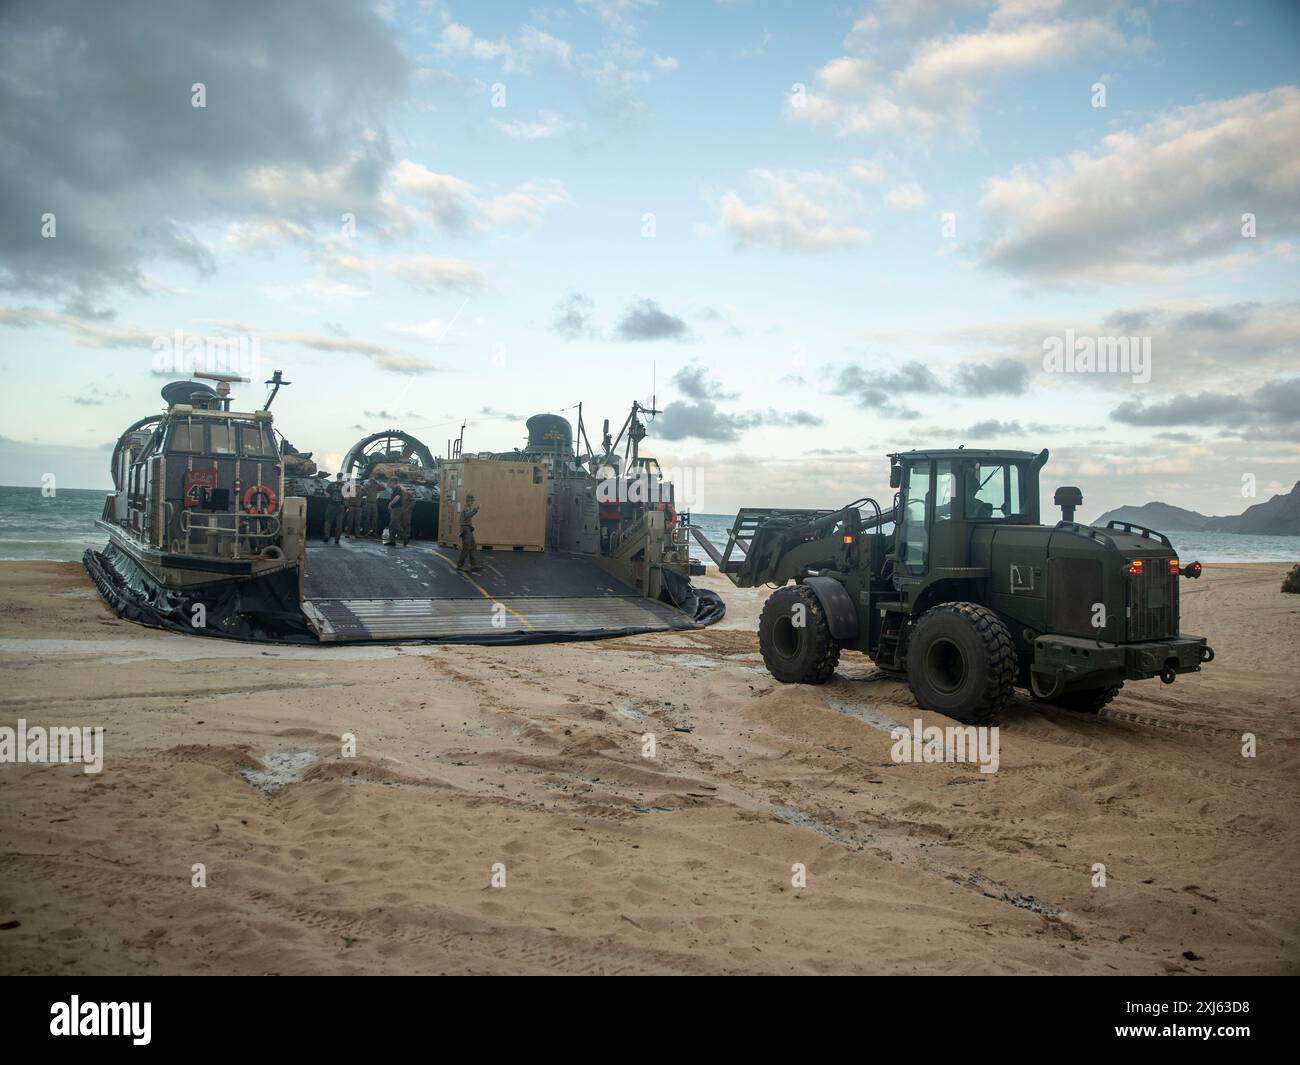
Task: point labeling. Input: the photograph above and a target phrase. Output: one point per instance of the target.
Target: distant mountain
(1279, 516)
(1159, 516)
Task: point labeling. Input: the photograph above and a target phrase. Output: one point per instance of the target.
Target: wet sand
(530, 759)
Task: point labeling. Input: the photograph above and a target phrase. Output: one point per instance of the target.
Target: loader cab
(942, 494)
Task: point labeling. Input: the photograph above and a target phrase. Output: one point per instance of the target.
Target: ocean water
(60, 528)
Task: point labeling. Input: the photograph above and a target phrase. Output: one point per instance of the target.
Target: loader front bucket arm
(767, 545)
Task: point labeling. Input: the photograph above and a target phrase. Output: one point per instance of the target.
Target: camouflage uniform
(333, 510)
(352, 519)
(467, 542)
(370, 509)
(399, 516)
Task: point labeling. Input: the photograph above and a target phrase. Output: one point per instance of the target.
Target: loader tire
(797, 653)
(1088, 701)
(961, 662)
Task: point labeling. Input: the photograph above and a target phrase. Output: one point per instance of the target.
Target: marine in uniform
(399, 516)
(370, 508)
(467, 542)
(352, 519)
(334, 506)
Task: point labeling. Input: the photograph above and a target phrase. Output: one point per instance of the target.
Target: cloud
(993, 427)
(703, 420)
(645, 320)
(614, 66)
(458, 207)
(1193, 344)
(940, 87)
(549, 124)
(1228, 319)
(433, 331)
(908, 196)
(910, 377)
(328, 343)
(421, 271)
(1171, 193)
(85, 333)
(134, 169)
(618, 15)
(573, 316)
(459, 41)
(113, 337)
(1003, 377)
(24, 462)
(880, 390)
(696, 420)
(799, 210)
(1268, 413)
(262, 234)
(877, 390)
(382, 357)
(695, 383)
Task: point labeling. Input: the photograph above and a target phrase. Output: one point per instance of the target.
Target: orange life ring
(671, 519)
(269, 504)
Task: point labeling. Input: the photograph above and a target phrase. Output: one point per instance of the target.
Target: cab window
(916, 503)
(186, 436)
(222, 437)
(945, 489)
(254, 443)
(993, 491)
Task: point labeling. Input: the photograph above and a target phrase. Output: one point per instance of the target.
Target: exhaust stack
(1067, 497)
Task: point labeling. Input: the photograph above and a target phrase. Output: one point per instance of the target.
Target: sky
(810, 234)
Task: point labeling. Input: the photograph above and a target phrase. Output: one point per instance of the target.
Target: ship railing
(244, 529)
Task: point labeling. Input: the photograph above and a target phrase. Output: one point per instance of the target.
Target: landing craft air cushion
(209, 532)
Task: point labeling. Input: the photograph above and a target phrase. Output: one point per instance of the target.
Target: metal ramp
(360, 590)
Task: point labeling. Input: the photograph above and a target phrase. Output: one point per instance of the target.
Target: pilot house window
(186, 436)
(254, 443)
(223, 442)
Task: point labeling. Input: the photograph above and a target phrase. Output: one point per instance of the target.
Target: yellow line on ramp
(483, 591)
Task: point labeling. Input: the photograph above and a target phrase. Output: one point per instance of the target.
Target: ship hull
(261, 607)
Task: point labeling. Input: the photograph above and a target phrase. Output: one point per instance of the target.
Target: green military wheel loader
(960, 587)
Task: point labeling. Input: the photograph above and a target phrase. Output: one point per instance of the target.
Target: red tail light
(1173, 567)
(1135, 568)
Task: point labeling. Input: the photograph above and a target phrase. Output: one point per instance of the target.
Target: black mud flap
(260, 609)
(700, 604)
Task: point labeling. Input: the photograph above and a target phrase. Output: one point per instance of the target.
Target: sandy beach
(530, 760)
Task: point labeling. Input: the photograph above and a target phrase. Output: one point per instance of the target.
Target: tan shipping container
(511, 498)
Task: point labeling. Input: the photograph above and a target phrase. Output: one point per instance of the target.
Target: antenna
(276, 382)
